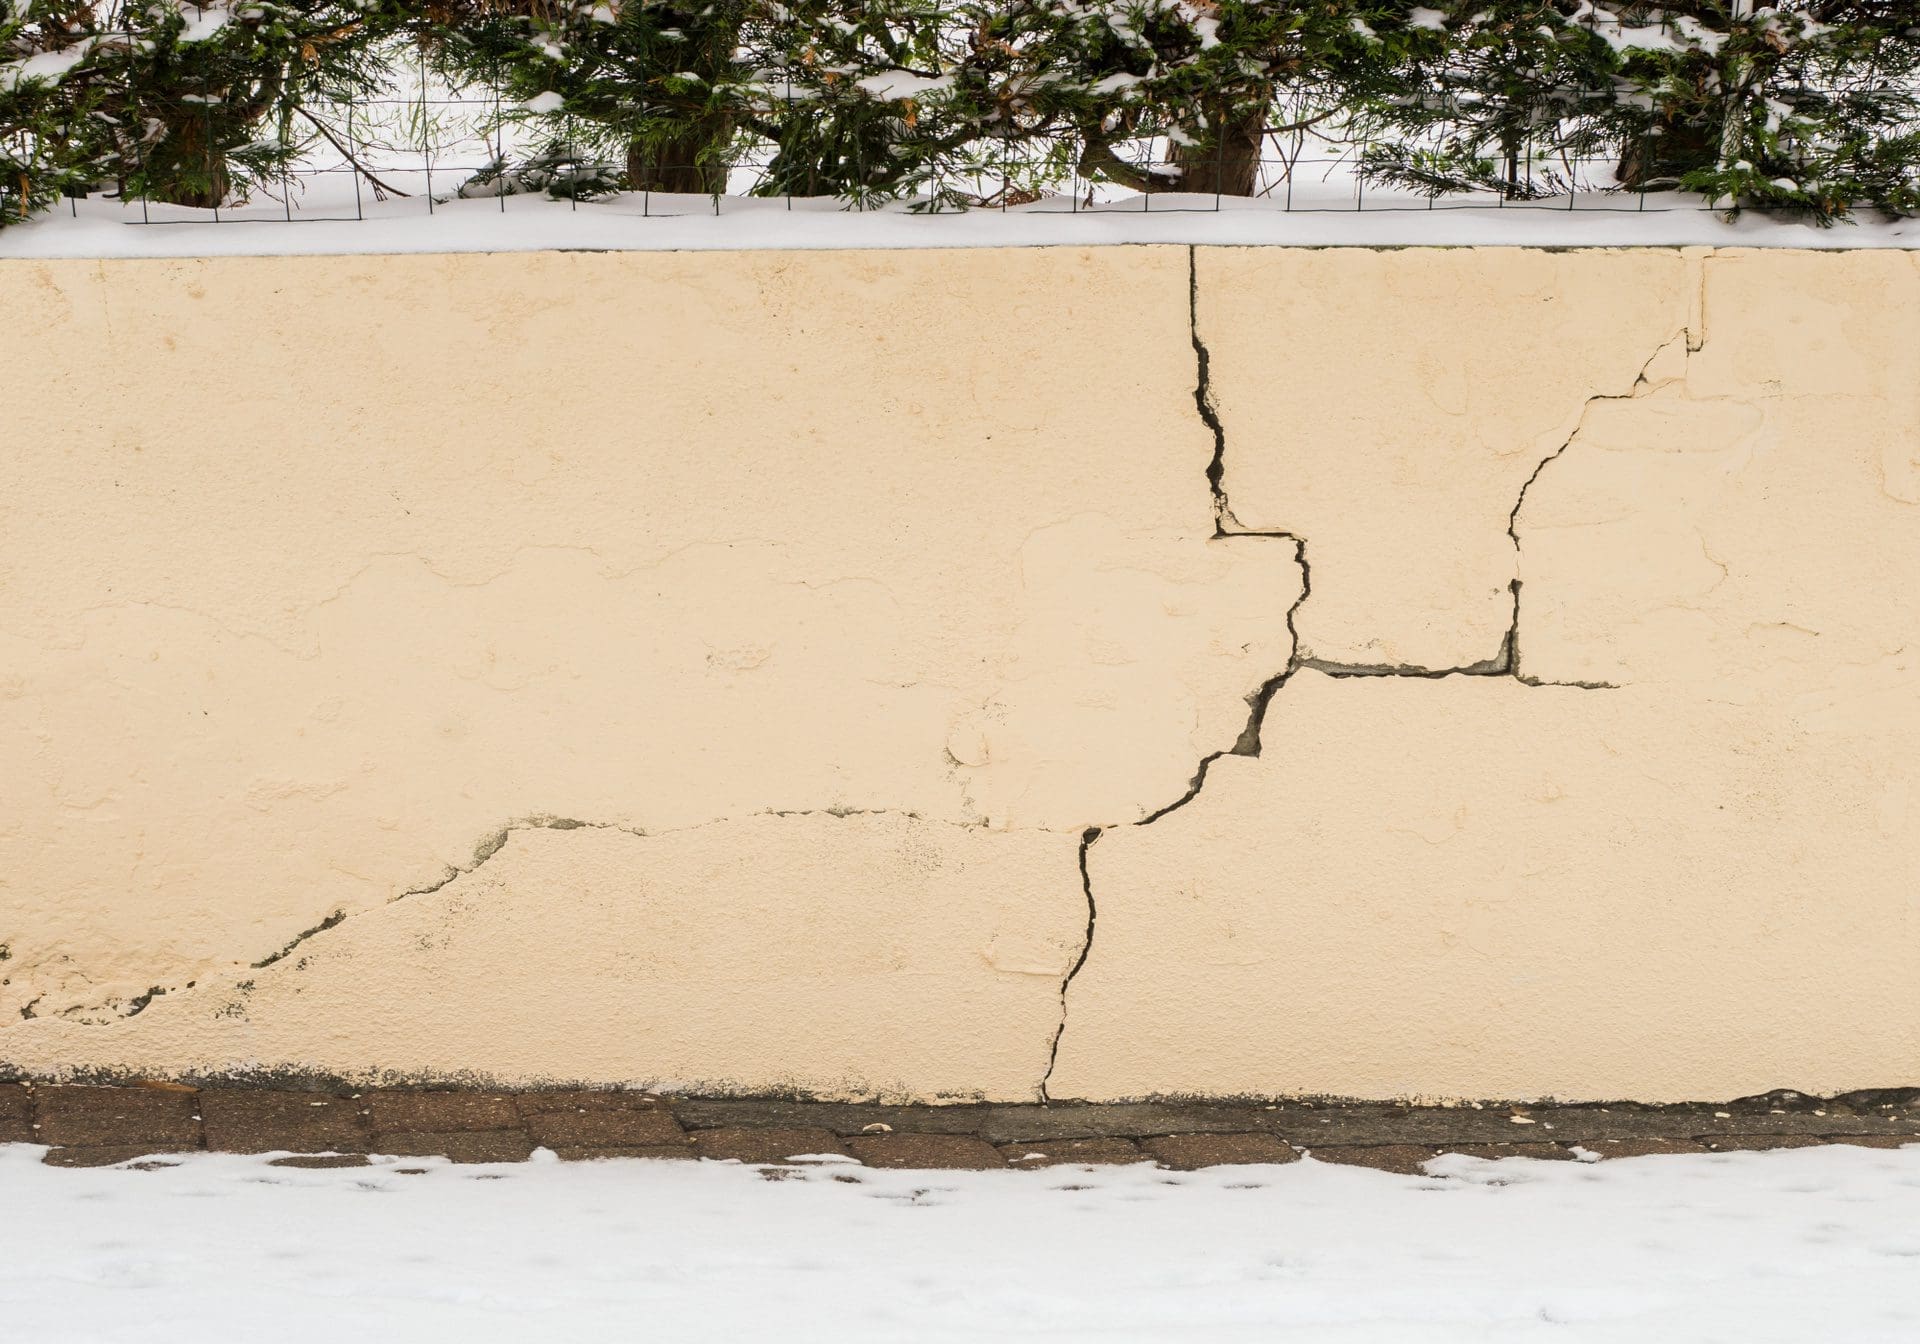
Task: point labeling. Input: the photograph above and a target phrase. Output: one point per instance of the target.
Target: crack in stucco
(1087, 839)
(1690, 342)
(1204, 403)
(1248, 741)
(1227, 528)
(337, 917)
(1504, 663)
(484, 850)
(1506, 659)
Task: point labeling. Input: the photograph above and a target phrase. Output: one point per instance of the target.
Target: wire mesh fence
(428, 146)
(423, 141)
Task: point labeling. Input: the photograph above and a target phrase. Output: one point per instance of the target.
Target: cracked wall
(1664, 849)
(875, 674)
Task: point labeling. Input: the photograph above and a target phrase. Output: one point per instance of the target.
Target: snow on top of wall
(631, 222)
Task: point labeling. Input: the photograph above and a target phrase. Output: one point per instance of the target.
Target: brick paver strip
(1572, 1124)
(239, 1120)
(1073, 1152)
(441, 1112)
(945, 1152)
(999, 1123)
(617, 1128)
(1756, 1143)
(16, 1113)
(162, 1121)
(91, 1125)
(1405, 1159)
(105, 1155)
(1373, 1125)
(543, 1102)
(1550, 1152)
(322, 1160)
(486, 1145)
(764, 1145)
(1607, 1148)
(1189, 1152)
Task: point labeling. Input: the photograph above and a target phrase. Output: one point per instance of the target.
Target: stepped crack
(1226, 528)
(1508, 661)
(1505, 661)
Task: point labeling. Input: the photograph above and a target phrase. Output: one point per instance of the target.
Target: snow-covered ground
(331, 222)
(1810, 1244)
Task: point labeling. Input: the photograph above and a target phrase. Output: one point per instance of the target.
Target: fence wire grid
(430, 142)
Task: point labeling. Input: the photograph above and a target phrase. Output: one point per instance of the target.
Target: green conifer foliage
(1809, 106)
(657, 87)
(189, 105)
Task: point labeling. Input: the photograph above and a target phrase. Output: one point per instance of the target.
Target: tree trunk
(1224, 158)
(183, 167)
(1680, 148)
(676, 164)
(1734, 81)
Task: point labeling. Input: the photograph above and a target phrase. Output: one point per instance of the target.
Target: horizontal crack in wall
(1226, 529)
(488, 846)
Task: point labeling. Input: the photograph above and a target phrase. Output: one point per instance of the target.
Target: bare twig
(347, 154)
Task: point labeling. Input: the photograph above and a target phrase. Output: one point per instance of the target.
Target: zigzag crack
(1226, 527)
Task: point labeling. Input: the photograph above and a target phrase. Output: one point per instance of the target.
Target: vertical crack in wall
(1203, 401)
(1510, 646)
(1087, 839)
(1504, 663)
(1225, 528)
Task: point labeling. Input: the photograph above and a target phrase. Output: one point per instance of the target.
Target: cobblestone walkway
(98, 1126)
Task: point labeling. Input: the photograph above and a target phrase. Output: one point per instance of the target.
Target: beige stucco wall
(763, 671)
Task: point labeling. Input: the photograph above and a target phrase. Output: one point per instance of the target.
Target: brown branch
(1097, 157)
(347, 154)
(1306, 125)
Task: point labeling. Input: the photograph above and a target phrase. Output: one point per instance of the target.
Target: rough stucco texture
(835, 672)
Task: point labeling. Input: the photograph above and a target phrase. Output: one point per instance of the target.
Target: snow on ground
(1816, 1243)
(326, 223)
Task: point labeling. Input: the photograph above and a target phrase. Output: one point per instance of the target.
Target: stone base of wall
(100, 1126)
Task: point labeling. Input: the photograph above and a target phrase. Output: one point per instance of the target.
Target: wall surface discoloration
(875, 673)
